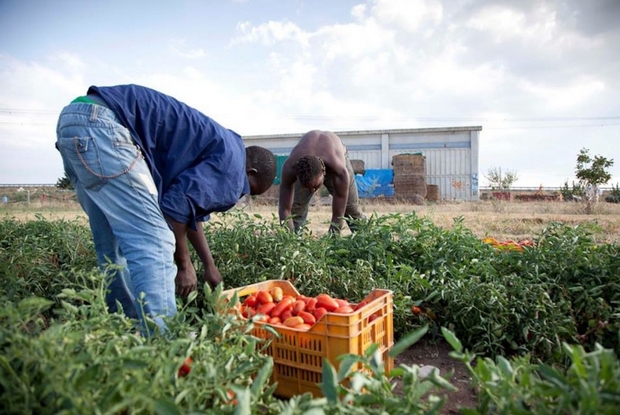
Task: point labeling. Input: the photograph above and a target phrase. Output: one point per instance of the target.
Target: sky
(542, 78)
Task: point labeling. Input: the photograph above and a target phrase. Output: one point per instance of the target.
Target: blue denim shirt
(197, 165)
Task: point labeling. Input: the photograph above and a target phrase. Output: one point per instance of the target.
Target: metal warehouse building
(451, 154)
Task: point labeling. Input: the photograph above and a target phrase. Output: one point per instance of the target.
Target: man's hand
(212, 276)
(336, 225)
(186, 281)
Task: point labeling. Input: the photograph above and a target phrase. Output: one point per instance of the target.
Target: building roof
(360, 132)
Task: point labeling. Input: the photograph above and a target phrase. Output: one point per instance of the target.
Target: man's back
(197, 165)
(323, 144)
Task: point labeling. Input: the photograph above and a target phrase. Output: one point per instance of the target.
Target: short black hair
(264, 161)
(307, 168)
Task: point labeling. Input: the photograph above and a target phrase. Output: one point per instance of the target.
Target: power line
(28, 111)
(377, 118)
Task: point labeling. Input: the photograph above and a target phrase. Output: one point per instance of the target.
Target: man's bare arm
(185, 280)
(339, 200)
(285, 203)
(198, 240)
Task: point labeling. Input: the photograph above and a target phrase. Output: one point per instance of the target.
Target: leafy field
(538, 328)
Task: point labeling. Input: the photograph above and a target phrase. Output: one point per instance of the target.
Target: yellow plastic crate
(298, 355)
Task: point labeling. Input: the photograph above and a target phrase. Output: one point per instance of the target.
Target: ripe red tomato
(293, 321)
(319, 312)
(344, 310)
(264, 297)
(265, 308)
(248, 312)
(250, 301)
(274, 320)
(186, 367)
(231, 397)
(303, 326)
(360, 305)
(285, 304)
(304, 298)
(286, 314)
(308, 317)
(311, 304)
(325, 301)
(299, 305)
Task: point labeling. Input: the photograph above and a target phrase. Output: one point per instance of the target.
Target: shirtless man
(319, 158)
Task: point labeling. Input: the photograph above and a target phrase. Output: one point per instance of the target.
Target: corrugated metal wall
(451, 153)
(450, 169)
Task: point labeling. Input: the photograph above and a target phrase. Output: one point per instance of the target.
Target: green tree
(499, 180)
(592, 172)
(576, 192)
(64, 183)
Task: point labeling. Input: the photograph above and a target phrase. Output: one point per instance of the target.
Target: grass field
(553, 303)
(500, 219)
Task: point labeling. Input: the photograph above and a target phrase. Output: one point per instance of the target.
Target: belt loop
(93, 113)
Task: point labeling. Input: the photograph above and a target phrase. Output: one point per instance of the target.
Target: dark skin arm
(186, 280)
(339, 199)
(285, 203)
(328, 147)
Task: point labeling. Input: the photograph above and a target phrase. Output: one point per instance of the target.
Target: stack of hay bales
(410, 176)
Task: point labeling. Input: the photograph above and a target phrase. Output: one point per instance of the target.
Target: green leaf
(134, 364)
(452, 340)
(376, 362)
(165, 406)
(505, 366)
(431, 296)
(345, 366)
(329, 386)
(243, 401)
(359, 381)
(553, 376)
(262, 377)
(371, 350)
(407, 341)
(192, 296)
(314, 411)
(439, 381)
(34, 304)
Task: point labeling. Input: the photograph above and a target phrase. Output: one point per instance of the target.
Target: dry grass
(502, 220)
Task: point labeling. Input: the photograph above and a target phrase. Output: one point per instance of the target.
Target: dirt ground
(435, 354)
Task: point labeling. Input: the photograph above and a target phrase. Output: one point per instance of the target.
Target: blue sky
(540, 77)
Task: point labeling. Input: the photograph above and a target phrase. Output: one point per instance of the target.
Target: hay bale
(432, 193)
(409, 185)
(358, 166)
(409, 163)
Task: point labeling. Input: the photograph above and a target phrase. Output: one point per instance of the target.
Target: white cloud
(502, 23)
(538, 28)
(352, 40)
(408, 15)
(270, 33)
(358, 12)
(576, 94)
(178, 47)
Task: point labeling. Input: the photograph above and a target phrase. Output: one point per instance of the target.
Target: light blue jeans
(134, 244)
